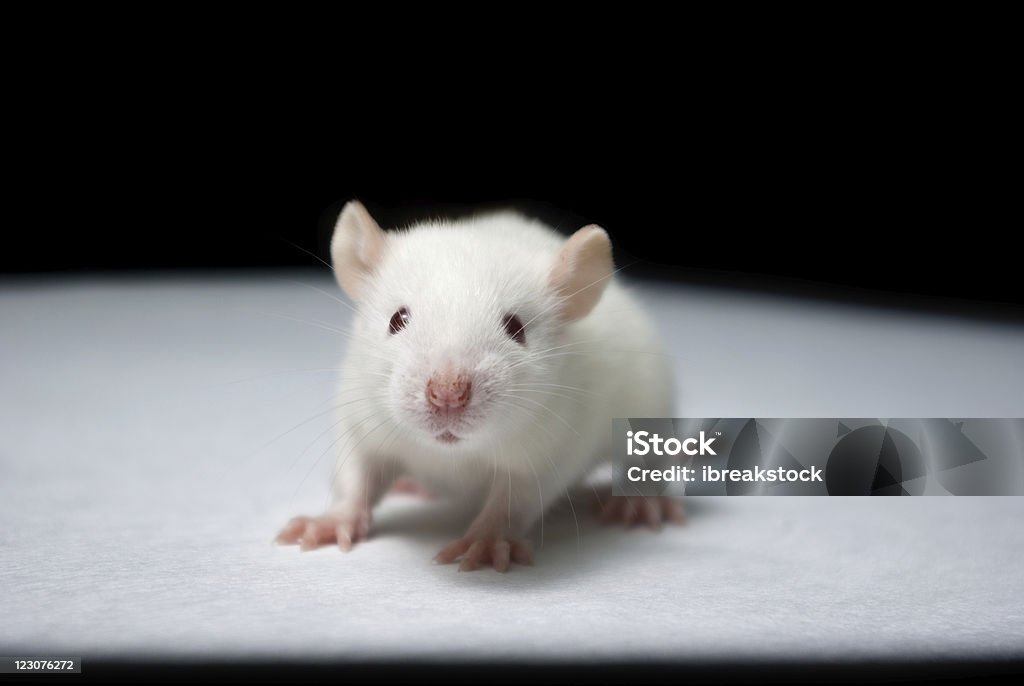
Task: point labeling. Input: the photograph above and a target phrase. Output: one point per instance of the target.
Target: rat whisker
(389, 435)
(333, 443)
(327, 430)
(565, 490)
(321, 291)
(344, 434)
(329, 410)
(558, 385)
(563, 299)
(550, 356)
(308, 252)
(508, 468)
(552, 412)
(592, 353)
(540, 489)
(271, 374)
(494, 464)
(351, 450)
(567, 345)
(547, 393)
(299, 320)
(540, 495)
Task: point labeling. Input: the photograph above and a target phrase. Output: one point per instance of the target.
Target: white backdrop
(140, 489)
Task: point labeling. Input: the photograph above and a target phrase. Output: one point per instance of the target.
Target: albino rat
(486, 361)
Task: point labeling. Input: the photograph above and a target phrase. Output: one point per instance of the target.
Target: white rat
(487, 359)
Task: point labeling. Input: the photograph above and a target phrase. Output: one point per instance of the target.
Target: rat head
(459, 325)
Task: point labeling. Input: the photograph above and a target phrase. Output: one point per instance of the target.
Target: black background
(868, 174)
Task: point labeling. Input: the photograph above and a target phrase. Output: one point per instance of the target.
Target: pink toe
(502, 553)
(674, 511)
(630, 513)
(307, 539)
(611, 510)
(291, 531)
(652, 514)
(451, 552)
(473, 557)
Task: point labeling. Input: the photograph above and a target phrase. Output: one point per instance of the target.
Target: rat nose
(449, 391)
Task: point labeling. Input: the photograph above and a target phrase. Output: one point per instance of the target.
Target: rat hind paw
(643, 510)
(310, 533)
(476, 552)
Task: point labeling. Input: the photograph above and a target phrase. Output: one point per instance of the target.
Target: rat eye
(399, 320)
(514, 329)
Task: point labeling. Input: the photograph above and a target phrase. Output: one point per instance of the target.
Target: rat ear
(356, 247)
(582, 270)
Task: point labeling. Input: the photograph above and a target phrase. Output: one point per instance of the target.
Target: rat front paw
(312, 532)
(476, 552)
(651, 510)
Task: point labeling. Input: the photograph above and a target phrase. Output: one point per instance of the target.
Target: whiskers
(545, 451)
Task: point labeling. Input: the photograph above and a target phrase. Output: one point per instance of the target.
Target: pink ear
(582, 270)
(356, 247)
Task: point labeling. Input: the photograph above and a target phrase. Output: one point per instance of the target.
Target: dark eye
(399, 320)
(514, 329)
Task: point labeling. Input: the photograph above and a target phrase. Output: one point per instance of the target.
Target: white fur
(540, 415)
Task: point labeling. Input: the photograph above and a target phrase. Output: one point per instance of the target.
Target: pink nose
(449, 391)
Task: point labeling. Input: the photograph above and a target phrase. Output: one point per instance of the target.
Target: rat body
(487, 358)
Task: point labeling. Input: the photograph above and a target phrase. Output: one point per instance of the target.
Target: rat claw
(474, 556)
(500, 556)
(651, 511)
(310, 538)
(289, 535)
(652, 514)
(312, 532)
(630, 514)
(500, 553)
(674, 511)
(451, 552)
